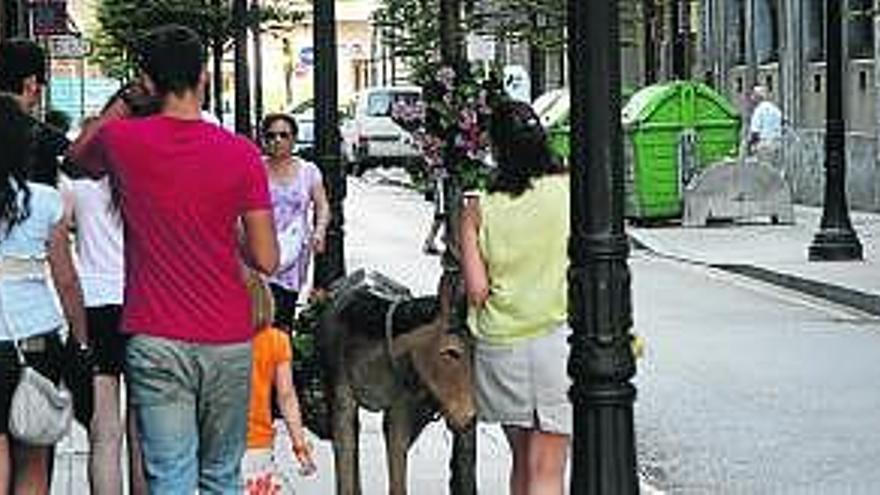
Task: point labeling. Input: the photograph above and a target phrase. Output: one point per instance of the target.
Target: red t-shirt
(184, 185)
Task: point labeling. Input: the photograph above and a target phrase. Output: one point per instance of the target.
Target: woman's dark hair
(16, 141)
(271, 118)
(520, 148)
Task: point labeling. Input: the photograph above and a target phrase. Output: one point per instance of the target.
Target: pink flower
(446, 77)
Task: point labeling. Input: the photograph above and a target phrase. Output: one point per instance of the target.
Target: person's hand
(318, 242)
(302, 450)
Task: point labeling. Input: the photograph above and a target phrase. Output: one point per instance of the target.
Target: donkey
(400, 359)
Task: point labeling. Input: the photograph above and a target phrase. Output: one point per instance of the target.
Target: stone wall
(804, 168)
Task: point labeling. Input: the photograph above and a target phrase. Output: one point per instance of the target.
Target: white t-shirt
(99, 244)
(766, 121)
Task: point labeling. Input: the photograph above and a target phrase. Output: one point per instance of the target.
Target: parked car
(371, 138)
(304, 113)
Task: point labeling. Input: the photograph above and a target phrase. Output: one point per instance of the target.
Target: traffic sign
(69, 46)
(49, 17)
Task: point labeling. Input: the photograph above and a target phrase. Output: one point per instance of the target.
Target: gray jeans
(191, 402)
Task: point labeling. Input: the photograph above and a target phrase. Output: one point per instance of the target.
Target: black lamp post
(836, 239)
(462, 465)
(243, 123)
(601, 363)
(330, 265)
(217, 62)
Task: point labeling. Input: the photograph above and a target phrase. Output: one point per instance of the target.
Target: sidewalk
(385, 225)
(778, 254)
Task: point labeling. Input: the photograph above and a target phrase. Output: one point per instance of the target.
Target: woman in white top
(33, 234)
(99, 245)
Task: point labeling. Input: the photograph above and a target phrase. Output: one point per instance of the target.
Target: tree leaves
(123, 22)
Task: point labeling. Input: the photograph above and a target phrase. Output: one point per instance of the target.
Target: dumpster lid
(646, 102)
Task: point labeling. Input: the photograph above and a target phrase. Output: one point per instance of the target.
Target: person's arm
(476, 280)
(322, 216)
(289, 406)
(66, 280)
(259, 243)
(85, 156)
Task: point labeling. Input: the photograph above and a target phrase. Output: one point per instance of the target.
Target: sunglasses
(270, 136)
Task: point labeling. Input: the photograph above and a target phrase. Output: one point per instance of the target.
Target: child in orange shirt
(272, 355)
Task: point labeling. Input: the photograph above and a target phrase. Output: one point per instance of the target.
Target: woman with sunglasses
(301, 212)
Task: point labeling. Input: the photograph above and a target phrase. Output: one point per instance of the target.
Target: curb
(862, 301)
(844, 296)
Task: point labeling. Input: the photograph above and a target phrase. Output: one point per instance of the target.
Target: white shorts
(525, 384)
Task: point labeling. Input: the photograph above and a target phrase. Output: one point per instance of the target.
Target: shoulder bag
(40, 412)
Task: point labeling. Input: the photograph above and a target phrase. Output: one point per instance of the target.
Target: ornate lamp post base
(835, 244)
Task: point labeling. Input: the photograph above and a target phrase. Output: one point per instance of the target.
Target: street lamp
(836, 239)
(243, 124)
(601, 363)
(331, 264)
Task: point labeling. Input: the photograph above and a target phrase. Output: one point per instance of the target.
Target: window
(736, 41)
(860, 34)
(379, 103)
(814, 30)
(767, 31)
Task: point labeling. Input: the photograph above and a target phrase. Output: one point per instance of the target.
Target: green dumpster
(672, 131)
(553, 109)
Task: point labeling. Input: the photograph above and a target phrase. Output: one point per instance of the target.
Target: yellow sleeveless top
(523, 242)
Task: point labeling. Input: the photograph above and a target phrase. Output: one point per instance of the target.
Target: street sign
(517, 84)
(69, 46)
(480, 48)
(49, 17)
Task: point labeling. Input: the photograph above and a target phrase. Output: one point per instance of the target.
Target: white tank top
(98, 242)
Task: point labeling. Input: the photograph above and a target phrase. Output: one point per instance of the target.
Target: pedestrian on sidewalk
(23, 71)
(271, 371)
(514, 262)
(95, 216)
(765, 126)
(301, 211)
(33, 237)
(195, 204)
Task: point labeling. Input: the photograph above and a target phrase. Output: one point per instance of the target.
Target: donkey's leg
(346, 431)
(397, 424)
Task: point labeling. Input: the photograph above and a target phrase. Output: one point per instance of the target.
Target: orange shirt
(271, 347)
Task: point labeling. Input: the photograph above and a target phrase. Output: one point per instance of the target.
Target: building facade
(781, 44)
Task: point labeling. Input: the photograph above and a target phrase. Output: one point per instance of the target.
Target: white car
(370, 137)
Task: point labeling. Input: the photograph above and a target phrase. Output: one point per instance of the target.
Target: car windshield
(379, 103)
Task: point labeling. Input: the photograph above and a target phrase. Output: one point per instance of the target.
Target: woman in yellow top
(514, 263)
(272, 354)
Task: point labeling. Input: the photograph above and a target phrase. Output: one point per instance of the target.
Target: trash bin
(673, 131)
(553, 109)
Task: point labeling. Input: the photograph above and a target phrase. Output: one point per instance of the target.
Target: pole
(217, 75)
(82, 89)
(836, 239)
(462, 466)
(258, 69)
(649, 13)
(242, 74)
(537, 60)
(601, 363)
(330, 265)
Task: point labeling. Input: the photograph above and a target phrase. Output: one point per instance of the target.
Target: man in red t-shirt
(189, 193)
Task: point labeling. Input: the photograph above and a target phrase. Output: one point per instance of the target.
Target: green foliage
(122, 22)
(412, 27)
